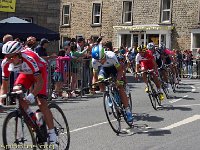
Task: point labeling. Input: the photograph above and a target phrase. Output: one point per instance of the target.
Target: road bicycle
(20, 131)
(152, 93)
(113, 106)
(163, 84)
(171, 78)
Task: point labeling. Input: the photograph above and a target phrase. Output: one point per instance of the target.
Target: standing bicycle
(32, 70)
(21, 130)
(105, 64)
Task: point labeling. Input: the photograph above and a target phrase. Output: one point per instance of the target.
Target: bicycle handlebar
(148, 71)
(11, 93)
(102, 81)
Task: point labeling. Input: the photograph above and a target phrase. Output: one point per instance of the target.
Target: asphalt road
(173, 127)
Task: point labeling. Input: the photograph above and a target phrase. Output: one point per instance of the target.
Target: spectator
(41, 49)
(31, 42)
(58, 74)
(80, 44)
(108, 46)
(6, 38)
(76, 58)
(198, 63)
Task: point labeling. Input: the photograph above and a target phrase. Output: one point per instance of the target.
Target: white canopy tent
(13, 20)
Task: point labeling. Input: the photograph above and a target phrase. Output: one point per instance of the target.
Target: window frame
(123, 12)
(99, 15)
(64, 15)
(165, 10)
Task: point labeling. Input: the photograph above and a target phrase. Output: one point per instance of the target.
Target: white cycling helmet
(12, 47)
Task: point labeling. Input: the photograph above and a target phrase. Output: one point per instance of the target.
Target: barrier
(76, 75)
(191, 71)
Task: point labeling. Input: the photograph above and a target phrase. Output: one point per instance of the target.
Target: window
(66, 15)
(63, 39)
(199, 14)
(96, 13)
(165, 11)
(127, 12)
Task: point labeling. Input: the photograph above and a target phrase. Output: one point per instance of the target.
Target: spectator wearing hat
(41, 49)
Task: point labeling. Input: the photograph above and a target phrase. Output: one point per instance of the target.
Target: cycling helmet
(141, 48)
(12, 47)
(162, 46)
(98, 52)
(151, 46)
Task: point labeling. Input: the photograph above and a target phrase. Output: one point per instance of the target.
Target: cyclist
(159, 62)
(107, 63)
(168, 59)
(145, 60)
(32, 70)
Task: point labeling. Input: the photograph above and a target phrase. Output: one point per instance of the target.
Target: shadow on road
(144, 129)
(147, 117)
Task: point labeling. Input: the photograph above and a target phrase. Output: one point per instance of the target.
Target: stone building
(45, 13)
(130, 22)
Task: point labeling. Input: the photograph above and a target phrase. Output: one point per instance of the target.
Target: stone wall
(45, 13)
(81, 19)
(184, 18)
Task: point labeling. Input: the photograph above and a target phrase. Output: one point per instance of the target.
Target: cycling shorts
(106, 72)
(146, 65)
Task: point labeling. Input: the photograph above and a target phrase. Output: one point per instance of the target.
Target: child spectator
(58, 74)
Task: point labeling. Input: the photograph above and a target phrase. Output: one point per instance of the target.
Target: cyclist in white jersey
(104, 65)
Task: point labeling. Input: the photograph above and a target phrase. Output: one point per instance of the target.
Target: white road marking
(185, 121)
(187, 105)
(193, 89)
(94, 125)
(176, 100)
(174, 125)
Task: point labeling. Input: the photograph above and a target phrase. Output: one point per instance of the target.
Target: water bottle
(39, 118)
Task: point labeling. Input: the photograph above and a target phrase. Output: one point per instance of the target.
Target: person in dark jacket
(41, 49)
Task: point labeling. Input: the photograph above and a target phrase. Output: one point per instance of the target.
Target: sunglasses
(11, 57)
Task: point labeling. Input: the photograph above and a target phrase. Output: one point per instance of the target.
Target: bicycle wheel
(17, 134)
(112, 113)
(152, 96)
(61, 126)
(130, 107)
(171, 80)
(165, 91)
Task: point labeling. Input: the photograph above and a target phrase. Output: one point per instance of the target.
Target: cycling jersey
(158, 59)
(146, 61)
(111, 60)
(31, 66)
(167, 53)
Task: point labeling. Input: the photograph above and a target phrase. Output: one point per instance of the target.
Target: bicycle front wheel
(152, 96)
(112, 114)
(61, 126)
(17, 134)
